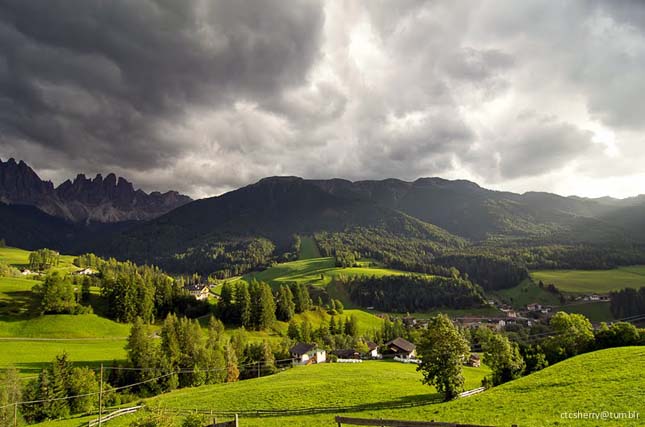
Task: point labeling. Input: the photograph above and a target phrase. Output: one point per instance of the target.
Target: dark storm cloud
(104, 75)
(204, 96)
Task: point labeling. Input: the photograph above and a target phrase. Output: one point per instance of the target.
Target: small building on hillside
(84, 272)
(199, 290)
(305, 354)
(534, 307)
(474, 361)
(401, 348)
(372, 350)
(27, 272)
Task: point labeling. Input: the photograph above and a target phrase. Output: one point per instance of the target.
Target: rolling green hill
(19, 258)
(593, 281)
(316, 271)
(601, 381)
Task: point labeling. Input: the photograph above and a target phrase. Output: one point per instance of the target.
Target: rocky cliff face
(105, 200)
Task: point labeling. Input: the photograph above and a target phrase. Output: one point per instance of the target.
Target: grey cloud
(204, 96)
(107, 75)
(535, 147)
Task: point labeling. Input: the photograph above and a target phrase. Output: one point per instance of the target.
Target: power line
(183, 371)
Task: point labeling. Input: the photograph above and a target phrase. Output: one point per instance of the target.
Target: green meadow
(315, 271)
(606, 380)
(597, 311)
(308, 248)
(593, 281)
(16, 298)
(527, 292)
(30, 356)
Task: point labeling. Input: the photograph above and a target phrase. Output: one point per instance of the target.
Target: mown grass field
(88, 339)
(315, 271)
(308, 248)
(597, 311)
(64, 326)
(19, 258)
(607, 380)
(30, 356)
(593, 281)
(354, 387)
(16, 298)
(525, 293)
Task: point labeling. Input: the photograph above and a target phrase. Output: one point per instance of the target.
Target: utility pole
(258, 369)
(15, 415)
(101, 397)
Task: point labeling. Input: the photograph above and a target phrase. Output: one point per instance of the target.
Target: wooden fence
(399, 423)
(115, 414)
(471, 392)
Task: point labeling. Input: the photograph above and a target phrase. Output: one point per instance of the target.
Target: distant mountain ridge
(84, 200)
(256, 224)
(470, 211)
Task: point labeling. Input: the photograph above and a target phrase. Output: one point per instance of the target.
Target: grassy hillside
(593, 281)
(64, 326)
(606, 380)
(308, 248)
(19, 258)
(597, 311)
(594, 382)
(316, 271)
(525, 293)
(15, 297)
(355, 387)
(30, 356)
(30, 344)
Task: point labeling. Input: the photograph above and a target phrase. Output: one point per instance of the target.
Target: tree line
(412, 293)
(42, 259)
(254, 306)
(627, 302)
(481, 265)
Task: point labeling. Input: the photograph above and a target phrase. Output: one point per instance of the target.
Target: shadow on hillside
(404, 402)
(20, 305)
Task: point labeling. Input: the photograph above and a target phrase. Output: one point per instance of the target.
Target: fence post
(101, 397)
(236, 421)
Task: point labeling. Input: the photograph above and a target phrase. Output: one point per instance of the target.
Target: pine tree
(263, 313)
(268, 358)
(305, 331)
(225, 307)
(332, 325)
(58, 407)
(285, 306)
(215, 333)
(243, 304)
(232, 370)
(293, 331)
(170, 345)
(351, 326)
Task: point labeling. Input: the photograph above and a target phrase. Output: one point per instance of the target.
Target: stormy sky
(206, 96)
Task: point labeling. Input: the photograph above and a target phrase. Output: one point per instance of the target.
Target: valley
(245, 278)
